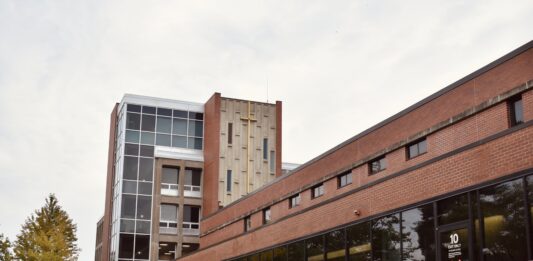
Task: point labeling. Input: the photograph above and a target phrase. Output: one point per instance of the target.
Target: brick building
(449, 178)
(171, 162)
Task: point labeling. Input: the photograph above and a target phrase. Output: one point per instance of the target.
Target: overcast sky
(338, 66)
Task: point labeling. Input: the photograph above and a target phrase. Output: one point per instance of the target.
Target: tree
(47, 235)
(5, 252)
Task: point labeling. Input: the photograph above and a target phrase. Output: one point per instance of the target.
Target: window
(266, 216)
(335, 249)
(272, 161)
(228, 181)
(191, 220)
(516, 111)
(377, 165)
(417, 224)
(417, 148)
(230, 133)
(168, 220)
(358, 242)
(315, 248)
(386, 238)
(265, 149)
(317, 191)
(193, 178)
(247, 223)
(344, 179)
(294, 200)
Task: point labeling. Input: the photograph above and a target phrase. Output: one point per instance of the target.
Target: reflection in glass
(454, 245)
(142, 246)
(315, 248)
(196, 128)
(129, 186)
(144, 207)
(163, 124)
(179, 141)
(147, 151)
(147, 138)
(502, 207)
(179, 126)
(145, 188)
(130, 167)
(128, 206)
(143, 227)
(280, 253)
(170, 175)
(133, 121)
(132, 136)
(386, 238)
(163, 140)
(266, 256)
(195, 143)
(358, 242)
(148, 123)
(335, 249)
(127, 225)
(418, 240)
(146, 167)
(296, 251)
(452, 209)
(125, 246)
(131, 149)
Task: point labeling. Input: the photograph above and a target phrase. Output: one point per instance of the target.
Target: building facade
(171, 162)
(449, 178)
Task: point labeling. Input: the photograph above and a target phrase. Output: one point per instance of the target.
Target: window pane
(143, 227)
(452, 209)
(128, 206)
(280, 254)
(315, 248)
(130, 167)
(170, 175)
(127, 225)
(169, 213)
(125, 246)
(146, 167)
(145, 188)
(148, 123)
(191, 214)
(335, 249)
(142, 246)
(181, 114)
(386, 238)
(418, 234)
(134, 108)
(131, 149)
(133, 121)
(296, 251)
(422, 147)
(196, 128)
(265, 149)
(272, 162)
(148, 109)
(196, 177)
(129, 186)
(196, 115)
(147, 138)
(179, 141)
(504, 220)
(144, 207)
(358, 242)
(147, 151)
(413, 151)
(132, 136)
(518, 111)
(179, 126)
(195, 143)
(163, 140)
(266, 256)
(163, 124)
(165, 112)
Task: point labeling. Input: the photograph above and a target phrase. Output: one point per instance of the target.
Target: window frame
(266, 211)
(322, 191)
(417, 144)
(297, 198)
(511, 110)
(382, 161)
(348, 177)
(247, 223)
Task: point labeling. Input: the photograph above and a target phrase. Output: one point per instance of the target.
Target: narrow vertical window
(230, 133)
(272, 162)
(266, 216)
(228, 181)
(265, 149)
(516, 111)
(247, 223)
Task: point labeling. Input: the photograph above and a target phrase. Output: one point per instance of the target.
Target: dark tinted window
(146, 167)
(195, 143)
(193, 177)
(162, 140)
(265, 149)
(165, 112)
(133, 121)
(134, 108)
(502, 207)
(180, 114)
(196, 115)
(294, 201)
(358, 242)
(335, 249)
(418, 234)
(131, 149)
(344, 179)
(147, 151)
(386, 238)
(267, 215)
(130, 167)
(147, 138)
(170, 175)
(280, 253)
(191, 214)
(417, 148)
(142, 246)
(228, 180)
(129, 186)
(145, 188)
(230, 133)
(127, 225)
(148, 123)
(296, 251)
(452, 209)
(516, 111)
(126, 246)
(317, 191)
(128, 206)
(315, 248)
(179, 126)
(149, 110)
(266, 255)
(164, 124)
(196, 128)
(143, 227)
(144, 207)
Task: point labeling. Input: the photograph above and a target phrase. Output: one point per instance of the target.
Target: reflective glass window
(452, 209)
(132, 136)
(335, 248)
(418, 234)
(126, 246)
(163, 111)
(148, 109)
(315, 248)
(128, 206)
(147, 138)
(179, 126)
(296, 251)
(144, 207)
(358, 242)
(131, 149)
(170, 175)
(133, 121)
(163, 125)
(162, 140)
(148, 123)
(147, 151)
(146, 168)
(386, 238)
(179, 141)
(130, 167)
(143, 227)
(134, 108)
(195, 143)
(127, 225)
(129, 186)
(145, 188)
(142, 246)
(180, 114)
(280, 253)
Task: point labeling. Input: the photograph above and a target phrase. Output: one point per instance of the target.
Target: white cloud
(338, 66)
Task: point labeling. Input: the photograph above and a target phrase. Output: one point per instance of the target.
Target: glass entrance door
(454, 243)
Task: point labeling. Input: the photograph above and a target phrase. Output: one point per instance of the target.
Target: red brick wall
(211, 154)
(492, 83)
(497, 158)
